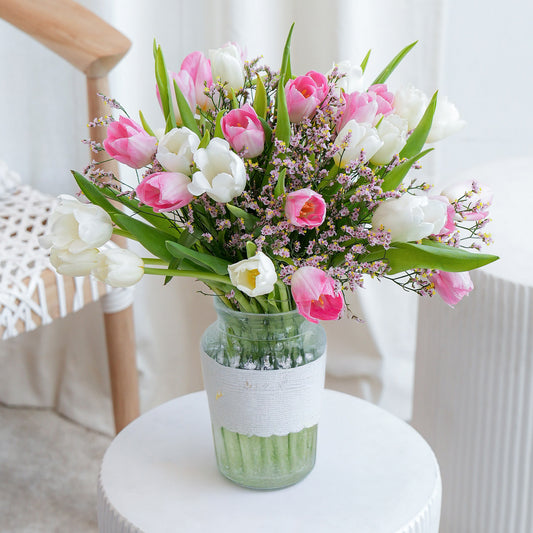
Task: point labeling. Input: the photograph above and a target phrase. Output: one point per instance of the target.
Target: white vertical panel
(473, 403)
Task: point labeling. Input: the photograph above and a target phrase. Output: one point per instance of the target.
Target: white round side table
(374, 474)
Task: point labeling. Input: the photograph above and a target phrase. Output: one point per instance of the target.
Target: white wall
(488, 72)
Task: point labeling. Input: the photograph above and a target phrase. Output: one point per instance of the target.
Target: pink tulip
(452, 286)
(365, 107)
(305, 208)
(305, 94)
(164, 191)
(383, 97)
(361, 107)
(199, 69)
(314, 293)
(186, 85)
(128, 143)
(244, 131)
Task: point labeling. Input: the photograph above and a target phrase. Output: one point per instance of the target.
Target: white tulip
(76, 227)
(74, 264)
(392, 130)
(176, 149)
(221, 174)
(363, 137)
(254, 276)
(410, 218)
(352, 79)
(446, 121)
(119, 267)
(410, 103)
(227, 65)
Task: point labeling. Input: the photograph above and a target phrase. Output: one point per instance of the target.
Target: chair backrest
(76, 34)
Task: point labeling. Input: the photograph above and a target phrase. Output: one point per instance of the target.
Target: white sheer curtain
(44, 121)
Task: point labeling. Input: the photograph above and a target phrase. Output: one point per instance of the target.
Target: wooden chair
(31, 292)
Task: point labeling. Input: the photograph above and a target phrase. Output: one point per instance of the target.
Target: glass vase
(264, 374)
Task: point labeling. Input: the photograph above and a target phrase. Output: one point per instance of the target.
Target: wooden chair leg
(120, 342)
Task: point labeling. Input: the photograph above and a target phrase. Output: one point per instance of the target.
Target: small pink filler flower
(128, 143)
(314, 293)
(305, 94)
(164, 191)
(452, 286)
(244, 131)
(305, 208)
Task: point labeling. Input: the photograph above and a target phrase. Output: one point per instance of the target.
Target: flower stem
(154, 261)
(208, 276)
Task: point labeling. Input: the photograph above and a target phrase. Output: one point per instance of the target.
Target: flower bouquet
(279, 193)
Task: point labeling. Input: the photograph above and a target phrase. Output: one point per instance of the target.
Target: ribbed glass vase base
(265, 462)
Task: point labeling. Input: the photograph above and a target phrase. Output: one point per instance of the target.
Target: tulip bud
(244, 131)
(355, 139)
(119, 267)
(176, 149)
(164, 191)
(128, 143)
(76, 227)
(410, 218)
(392, 130)
(351, 76)
(199, 69)
(254, 276)
(452, 286)
(74, 264)
(227, 64)
(410, 103)
(304, 95)
(446, 121)
(315, 296)
(221, 174)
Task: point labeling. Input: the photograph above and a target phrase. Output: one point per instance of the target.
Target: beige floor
(48, 473)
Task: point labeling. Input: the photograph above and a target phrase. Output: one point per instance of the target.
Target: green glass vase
(278, 347)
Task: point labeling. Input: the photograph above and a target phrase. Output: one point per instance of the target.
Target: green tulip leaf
(151, 238)
(187, 116)
(268, 131)
(417, 139)
(251, 249)
(94, 193)
(163, 83)
(402, 256)
(364, 63)
(383, 76)
(249, 220)
(279, 189)
(233, 98)
(283, 124)
(211, 262)
(99, 197)
(285, 71)
(145, 125)
(218, 125)
(260, 98)
(205, 140)
(395, 177)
